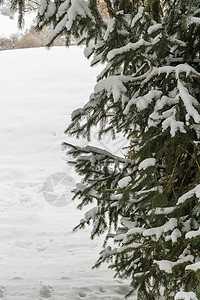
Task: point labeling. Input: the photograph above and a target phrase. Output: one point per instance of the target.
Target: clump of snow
(89, 49)
(185, 296)
(161, 210)
(188, 100)
(146, 163)
(128, 224)
(166, 265)
(124, 181)
(165, 100)
(154, 28)
(175, 235)
(59, 27)
(110, 27)
(61, 10)
(158, 189)
(119, 237)
(195, 20)
(143, 101)
(138, 16)
(168, 119)
(42, 7)
(78, 7)
(173, 124)
(51, 9)
(135, 230)
(114, 85)
(128, 47)
(158, 231)
(194, 267)
(192, 234)
(116, 197)
(194, 192)
(90, 214)
(80, 187)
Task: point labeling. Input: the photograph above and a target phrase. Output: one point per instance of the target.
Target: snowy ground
(40, 257)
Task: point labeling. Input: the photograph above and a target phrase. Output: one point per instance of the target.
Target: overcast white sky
(9, 26)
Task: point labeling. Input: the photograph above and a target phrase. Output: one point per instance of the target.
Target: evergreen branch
(185, 275)
(110, 10)
(193, 158)
(189, 11)
(96, 150)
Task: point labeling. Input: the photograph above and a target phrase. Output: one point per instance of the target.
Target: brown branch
(110, 10)
(181, 278)
(189, 12)
(193, 158)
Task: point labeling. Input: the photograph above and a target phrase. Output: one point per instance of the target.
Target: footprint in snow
(2, 292)
(82, 294)
(102, 290)
(46, 291)
(41, 248)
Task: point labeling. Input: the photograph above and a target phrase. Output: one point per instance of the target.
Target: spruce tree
(146, 202)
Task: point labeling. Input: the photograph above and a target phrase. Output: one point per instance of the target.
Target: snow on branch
(158, 231)
(161, 211)
(146, 163)
(128, 47)
(173, 124)
(181, 68)
(124, 181)
(193, 267)
(166, 265)
(57, 30)
(90, 214)
(42, 7)
(97, 151)
(78, 7)
(114, 85)
(105, 254)
(68, 13)
(192, 234)
(185, 296)
(189, 102)
(137, 17)
(194, 192)
(62, 9)
(142, 102)
(154, 28)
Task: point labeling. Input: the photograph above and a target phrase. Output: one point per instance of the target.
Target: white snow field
(40, 257)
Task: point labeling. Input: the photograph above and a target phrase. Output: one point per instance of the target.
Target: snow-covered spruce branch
(77, 150)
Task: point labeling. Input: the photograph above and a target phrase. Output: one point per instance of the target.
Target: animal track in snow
(2, 292)
(46, 291)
